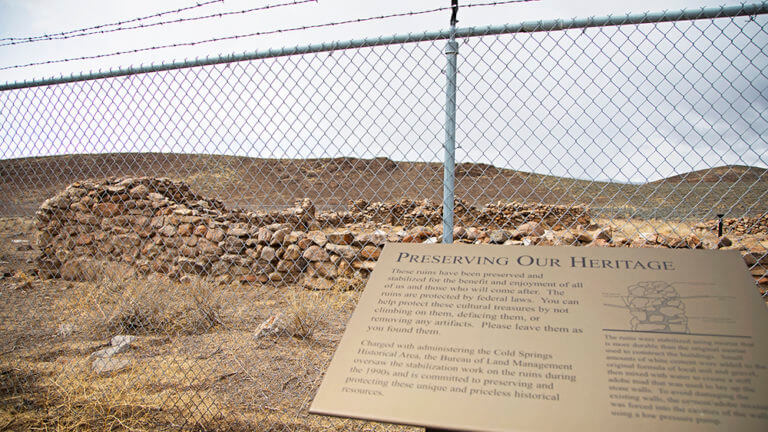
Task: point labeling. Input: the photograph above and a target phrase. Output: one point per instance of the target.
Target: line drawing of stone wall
(656, 306)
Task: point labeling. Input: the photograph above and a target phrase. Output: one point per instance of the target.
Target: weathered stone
(498, 236)
(370, 252)
(268, 254)
(264, 235)
(215, 235)
(233, 245)
(83, 239)
(185, 230)
(364, 265)
(107, 209)
(318, 237)
(345, 251)
(292, 252)
(324, 269)
(344, 237)
(168, 231)
(272, 326)
(288, 266)
(376, 238)
(120, 340)
(279, 236)
(237, 232)
(109, 365)
(315, 253)
(531, 229)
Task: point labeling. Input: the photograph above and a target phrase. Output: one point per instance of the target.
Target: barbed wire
(156, 15)
(262, 33)
(175, 21)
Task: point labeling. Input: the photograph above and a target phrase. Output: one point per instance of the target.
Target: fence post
(449, 165)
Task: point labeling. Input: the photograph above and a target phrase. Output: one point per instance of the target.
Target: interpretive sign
(497, 338)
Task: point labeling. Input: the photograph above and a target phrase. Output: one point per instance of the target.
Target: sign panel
(492, 338)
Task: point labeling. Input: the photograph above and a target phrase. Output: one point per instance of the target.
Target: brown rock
(215, 235)
(200, 230)
(278, 238)
(234, 245)
(531, 229)
(107, 209)
(315, 253)
(318, 237)
(84, 239)
(364, 265)
(324, 269)
(344, 251)
(237, 232)
(188, 251)
(344, 237)
(168, 231)
(370, 252)
(185, 230)
(292, 252)
(268, 254)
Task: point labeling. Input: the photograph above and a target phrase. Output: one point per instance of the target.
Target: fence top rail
(524, 27)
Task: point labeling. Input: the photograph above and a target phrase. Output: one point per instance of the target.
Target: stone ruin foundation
(160, 225)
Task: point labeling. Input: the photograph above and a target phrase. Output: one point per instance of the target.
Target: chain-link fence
(183, 245)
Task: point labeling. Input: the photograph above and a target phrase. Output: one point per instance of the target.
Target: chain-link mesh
(182, 249)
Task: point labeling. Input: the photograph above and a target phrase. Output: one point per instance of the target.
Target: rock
(370, 252)
(318, 237)
(237, 232)
(119, 340)
(498, 236)
(292, 252)
(344, 237)
(531, 229)
(215, 235)
(315, 253)
(317, 284)
(111, 351)
(724, 242)
(108, 365)
(278, 238)
(324, 269)
(364, 265)
(234, 245)
(459, 232)
(66, 330)
(185, 230)
(432, 240)
(139, 191)
(168, 231)
(376, 238)
(344, 251)
(272, 326)
(107, 209)
(268, 254)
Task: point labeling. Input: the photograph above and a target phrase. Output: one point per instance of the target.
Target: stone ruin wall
(160, 225)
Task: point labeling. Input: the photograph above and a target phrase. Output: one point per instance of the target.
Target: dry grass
(122, 302)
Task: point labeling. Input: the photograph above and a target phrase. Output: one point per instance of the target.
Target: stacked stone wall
(160, 225)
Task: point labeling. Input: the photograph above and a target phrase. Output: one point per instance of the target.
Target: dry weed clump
(304, 315)
(124, 302)
(165, 308)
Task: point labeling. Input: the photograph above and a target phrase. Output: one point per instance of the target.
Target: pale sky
(629, 103)
(21, 18)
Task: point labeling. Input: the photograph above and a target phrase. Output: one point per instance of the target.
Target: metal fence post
(451, 50)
